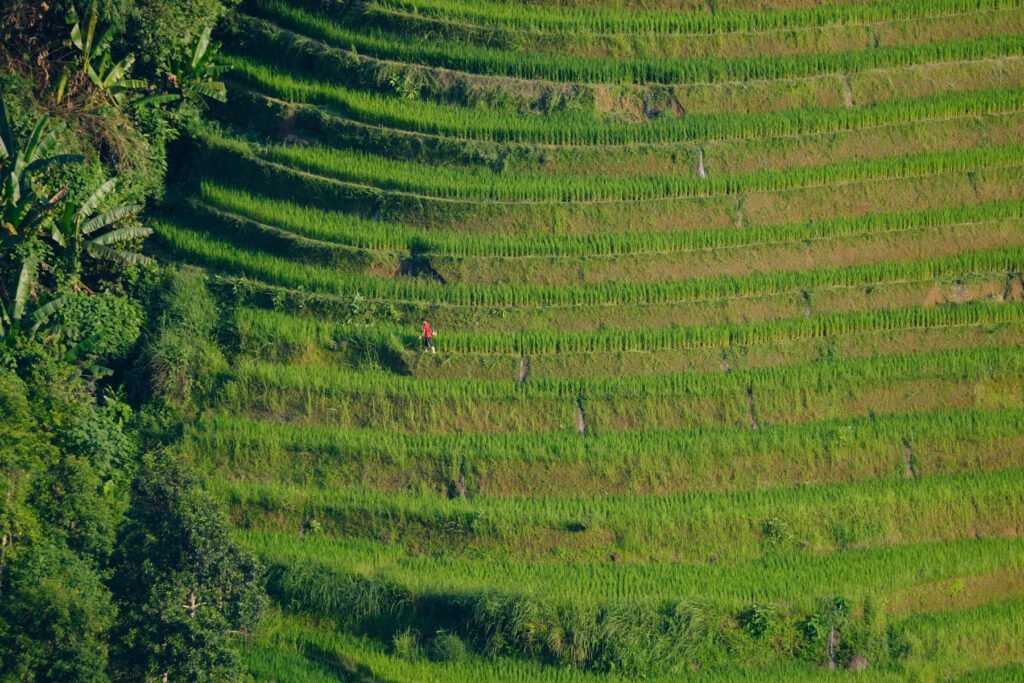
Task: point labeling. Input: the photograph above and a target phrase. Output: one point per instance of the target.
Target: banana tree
(107, 75)
(20, 315)
(195, 77)
(22, 209)
(26, 212)
(81, 230)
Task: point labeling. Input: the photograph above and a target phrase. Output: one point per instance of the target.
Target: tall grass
(288, 648)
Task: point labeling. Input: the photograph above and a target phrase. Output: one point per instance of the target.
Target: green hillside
(728, 370)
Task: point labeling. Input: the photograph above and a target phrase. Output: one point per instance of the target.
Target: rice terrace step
(726, 298)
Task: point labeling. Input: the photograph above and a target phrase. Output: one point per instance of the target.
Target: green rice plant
(475, 185)
(432, 118)
(890, 384)
(231, 437)
(254, 379)
(787, 578)
(697, 528)
(709, 459)
(225, 257)
(966, 639)
(287, 331)
(614, 19)
(469, 58)
(610, 520)
(349, 230)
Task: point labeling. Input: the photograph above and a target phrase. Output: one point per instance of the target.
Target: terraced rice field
(730, 349)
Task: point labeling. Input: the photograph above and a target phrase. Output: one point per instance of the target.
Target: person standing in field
(428, 338)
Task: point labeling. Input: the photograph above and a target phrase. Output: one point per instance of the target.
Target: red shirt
(426, 331)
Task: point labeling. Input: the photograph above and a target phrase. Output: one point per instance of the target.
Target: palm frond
(201, 46)
(215, 90)
(40, 164)
(126, 258)
(25, 281)
(96, 198)
(64, 226)
(156, 100)
(83, 347)
(122, 235)
(108, 218)
(8, 145)
(104, 41)
(129, 84)
(117, 72)
(43, 314)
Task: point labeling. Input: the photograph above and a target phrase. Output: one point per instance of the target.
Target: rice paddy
(728, 372)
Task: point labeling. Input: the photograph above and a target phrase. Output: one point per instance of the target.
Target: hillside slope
(728, 379)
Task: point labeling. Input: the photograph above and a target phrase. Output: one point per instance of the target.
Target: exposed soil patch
(909, 471)
(960, 293)
(958, 593)
(618, 105)
(935, 297)
(1014, 289)
(754, 424)
(740, 219)
(848, 100)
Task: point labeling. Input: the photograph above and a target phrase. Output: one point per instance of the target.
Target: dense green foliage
(102, 543)
(725, 379)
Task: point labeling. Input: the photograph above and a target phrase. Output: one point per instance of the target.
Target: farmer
(428, 338)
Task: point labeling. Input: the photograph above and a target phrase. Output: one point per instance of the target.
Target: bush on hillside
(182, 357)
(447, 647)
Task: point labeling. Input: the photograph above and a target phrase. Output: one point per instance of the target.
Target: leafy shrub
(406, 645)
(74, 502)
(160, 30)
(107, 325)
(179, 580)
(447, 647)
(760, 620)
(95, 435)
(184, 360)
